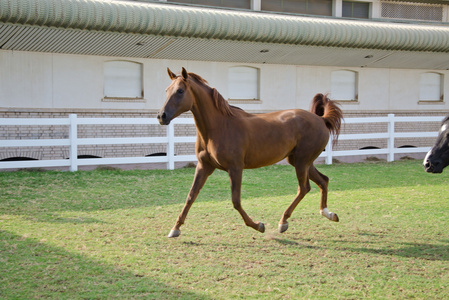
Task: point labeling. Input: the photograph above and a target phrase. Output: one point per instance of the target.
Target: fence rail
(73, 141)
(390, 135)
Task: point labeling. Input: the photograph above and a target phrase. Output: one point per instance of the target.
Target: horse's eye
(180, 91)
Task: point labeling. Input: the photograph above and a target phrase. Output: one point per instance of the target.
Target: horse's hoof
(283, 227)
(261, 227)
(174, 233)
(335, 217)
(330, 215)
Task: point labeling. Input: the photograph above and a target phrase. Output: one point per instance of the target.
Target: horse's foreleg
(202, 172)
(322, 181)
(303, 189)
(236, 185)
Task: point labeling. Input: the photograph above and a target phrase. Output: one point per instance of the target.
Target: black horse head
(438, 157)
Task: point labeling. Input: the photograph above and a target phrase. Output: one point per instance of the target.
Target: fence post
(390, 137)
(73, 136)
(171, 146)
(329, 151)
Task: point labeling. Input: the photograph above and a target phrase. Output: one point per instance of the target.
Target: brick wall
(101, 131)
(383, 127)
(88, 131)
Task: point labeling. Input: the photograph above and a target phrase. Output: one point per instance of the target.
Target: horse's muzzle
(428, 166)
(432, 167)
(162, 118)
(432, 164)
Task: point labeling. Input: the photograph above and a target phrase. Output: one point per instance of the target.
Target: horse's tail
(329, 111)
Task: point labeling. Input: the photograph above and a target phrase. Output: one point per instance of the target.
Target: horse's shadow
(426, 251)
(431, 252)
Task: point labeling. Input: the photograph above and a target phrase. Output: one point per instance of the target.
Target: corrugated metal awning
(156, 30)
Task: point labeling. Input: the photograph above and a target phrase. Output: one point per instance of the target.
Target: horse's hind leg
(322, 181)
(303, 189)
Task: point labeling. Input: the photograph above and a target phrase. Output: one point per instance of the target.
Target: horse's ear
(171, 74)
(184, 73)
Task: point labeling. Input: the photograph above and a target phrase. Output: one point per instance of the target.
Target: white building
(109, 58)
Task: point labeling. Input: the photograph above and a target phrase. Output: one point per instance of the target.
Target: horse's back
(294, 120)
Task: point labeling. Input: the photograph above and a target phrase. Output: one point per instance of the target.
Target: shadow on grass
(416, 250)
(432, 252)
(292, 243)
(30, 269)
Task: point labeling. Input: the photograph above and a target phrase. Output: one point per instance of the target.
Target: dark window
(311, 7)
(358, 10)
(221, 3)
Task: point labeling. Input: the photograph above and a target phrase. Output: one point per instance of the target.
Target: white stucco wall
(59, 81)
(25, 80)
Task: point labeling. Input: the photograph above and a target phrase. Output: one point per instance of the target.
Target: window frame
(109, 81)
(354, 90)
(221, 5)
(309, 7)
(255, 81)
(440, 87)
(367, 3)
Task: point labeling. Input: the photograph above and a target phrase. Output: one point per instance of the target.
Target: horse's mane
(220, 103)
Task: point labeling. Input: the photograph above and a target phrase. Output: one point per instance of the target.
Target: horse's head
(438, 157)
(179, 98)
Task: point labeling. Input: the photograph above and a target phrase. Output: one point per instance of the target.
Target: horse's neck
(207, 117)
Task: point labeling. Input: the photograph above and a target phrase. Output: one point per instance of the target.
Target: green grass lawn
(102, 235)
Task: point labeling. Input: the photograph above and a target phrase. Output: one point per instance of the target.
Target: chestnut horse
(231, 139)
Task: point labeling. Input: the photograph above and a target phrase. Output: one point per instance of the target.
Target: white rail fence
(390, 135)
(170, 140)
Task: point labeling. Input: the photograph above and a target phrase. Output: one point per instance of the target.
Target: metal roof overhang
(166, 31)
